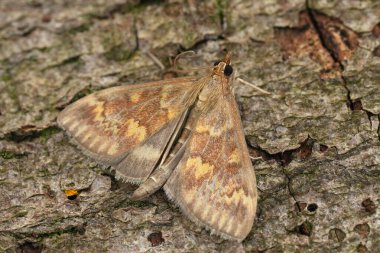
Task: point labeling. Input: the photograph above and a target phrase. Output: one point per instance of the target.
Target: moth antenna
(227, 58)
(192, 69)
(175, 67)
(156, 60)
(253, 86)
(176, 59)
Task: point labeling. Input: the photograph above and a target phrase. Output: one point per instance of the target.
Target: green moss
(83, 28)
(220, 6)
(10, 155)
(43, 172)
(46, 133)
(63, 142)
(68, 230)
(20, 135)
(378, 128)
(21, 213)
(138, 204)
(141, 6)
(6, 77)
(82, 93)
(75, 60)
(188, 40)
(11, 88)
(70, 185)
(79, 29)
(72, 60)
(119, 53)
(12, 91)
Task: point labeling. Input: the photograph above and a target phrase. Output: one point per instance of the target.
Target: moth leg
(157, 179)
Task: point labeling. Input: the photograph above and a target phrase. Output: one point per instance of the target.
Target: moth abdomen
(162, 173)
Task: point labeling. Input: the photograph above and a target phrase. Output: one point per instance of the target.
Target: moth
(184, 134)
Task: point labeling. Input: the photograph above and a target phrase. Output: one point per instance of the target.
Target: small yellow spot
(73, 126)
(238, 195)
(223, 218)
(172, 113)
(214, 218)
(98, 110)
(135, 130)
(94, 141)
(81, 129)
(146, 152)
(217, 183)
(66, 120)
(164, 97)
(230, 226)
(218, 131)
(135, 97)
(234, 157)
(112, 126)
(212, 130)
(103, 146)
(113, 149)
(200, 169)
(189, 195)
(206, 212)
(201, 128)
(198, 206)
(86, 137)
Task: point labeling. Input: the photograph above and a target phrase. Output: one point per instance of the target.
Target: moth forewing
(132, 123)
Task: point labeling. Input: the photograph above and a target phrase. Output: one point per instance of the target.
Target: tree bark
(316, 137)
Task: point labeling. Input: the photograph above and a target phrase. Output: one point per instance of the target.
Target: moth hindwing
(183, 133)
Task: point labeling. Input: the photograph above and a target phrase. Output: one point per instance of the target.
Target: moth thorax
(208, 96)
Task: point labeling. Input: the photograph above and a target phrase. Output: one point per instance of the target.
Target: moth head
(223, 68)
(224, 71)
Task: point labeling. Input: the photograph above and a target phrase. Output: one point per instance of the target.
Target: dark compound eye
(228, 70)
(216, 63)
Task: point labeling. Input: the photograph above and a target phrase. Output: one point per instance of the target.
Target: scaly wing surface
(128, 127)
(214, 183)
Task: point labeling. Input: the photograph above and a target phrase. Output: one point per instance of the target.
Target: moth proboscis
(184, 134)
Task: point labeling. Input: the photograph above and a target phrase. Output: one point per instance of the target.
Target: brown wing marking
(147, 154)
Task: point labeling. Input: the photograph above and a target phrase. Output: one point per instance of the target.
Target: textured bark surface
(319, 174)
